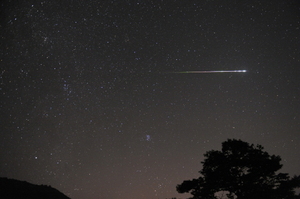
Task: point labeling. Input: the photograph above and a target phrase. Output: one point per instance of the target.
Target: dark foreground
(15, 189)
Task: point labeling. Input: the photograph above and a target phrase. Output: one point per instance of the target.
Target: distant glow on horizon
(214, 71)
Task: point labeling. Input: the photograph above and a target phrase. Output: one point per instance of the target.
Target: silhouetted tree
(242, 171)
(297, 196)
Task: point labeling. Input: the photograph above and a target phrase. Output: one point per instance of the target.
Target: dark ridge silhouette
(16, 189)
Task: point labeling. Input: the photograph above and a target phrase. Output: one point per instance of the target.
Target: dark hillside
(15, 189)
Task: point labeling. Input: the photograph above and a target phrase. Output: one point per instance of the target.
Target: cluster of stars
(93, 104)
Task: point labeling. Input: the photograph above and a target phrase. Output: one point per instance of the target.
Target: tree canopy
(243, 171)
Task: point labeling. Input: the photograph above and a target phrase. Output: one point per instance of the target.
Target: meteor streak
(214, 71)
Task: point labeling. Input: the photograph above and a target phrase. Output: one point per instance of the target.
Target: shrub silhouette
(242, 171)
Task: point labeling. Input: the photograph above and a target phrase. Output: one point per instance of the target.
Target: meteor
(214, 71)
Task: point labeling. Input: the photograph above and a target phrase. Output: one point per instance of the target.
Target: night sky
(92, 104)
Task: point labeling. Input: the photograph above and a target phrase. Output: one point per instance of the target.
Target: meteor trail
(214, 71)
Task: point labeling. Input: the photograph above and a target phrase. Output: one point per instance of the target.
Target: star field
(92, 104)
